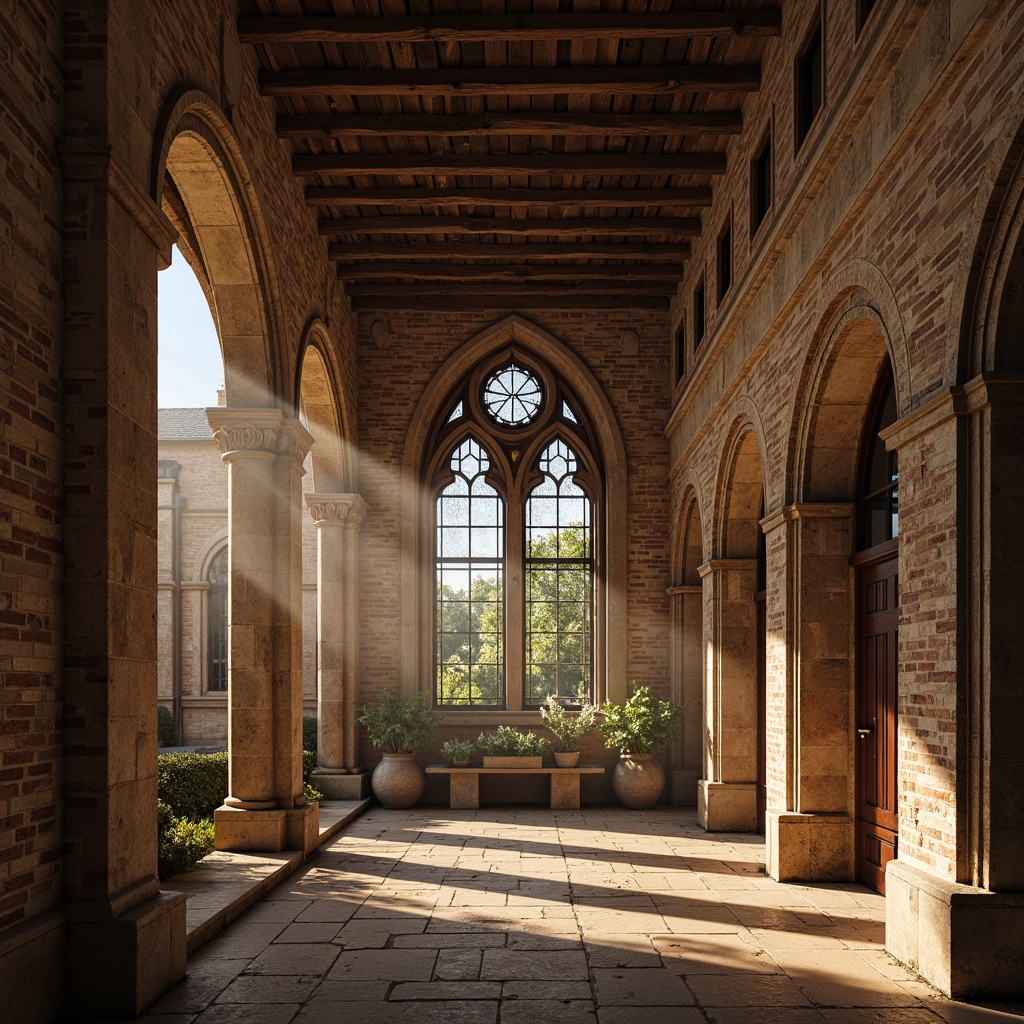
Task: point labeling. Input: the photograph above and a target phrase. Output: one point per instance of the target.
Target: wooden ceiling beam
(558, 227)
(354, 252)
(501, 28)
(515, 198)
(512, 81)
(511, 271)
(330, 126)
(503, 164)
(512, 300)
(599, 286)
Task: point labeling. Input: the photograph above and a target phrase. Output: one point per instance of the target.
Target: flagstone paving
(598, 916)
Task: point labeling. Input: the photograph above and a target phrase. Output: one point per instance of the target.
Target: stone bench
(465, 783)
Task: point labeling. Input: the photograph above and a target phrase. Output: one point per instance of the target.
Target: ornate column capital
(263, 431)
(347, 509)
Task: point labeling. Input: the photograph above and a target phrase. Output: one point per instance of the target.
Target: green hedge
(165, 736)
(181, 843)
(309, 734)
(192, 785)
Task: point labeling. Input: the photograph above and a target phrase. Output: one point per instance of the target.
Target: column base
(809, 847)
(350, 786)
(684, 787)
(117, 968)
(254, 831)
(727, 806)
(968, 942)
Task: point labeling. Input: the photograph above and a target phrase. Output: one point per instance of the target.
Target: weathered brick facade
(895, 234)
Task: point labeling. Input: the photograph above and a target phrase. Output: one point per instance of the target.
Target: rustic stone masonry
(893, 244)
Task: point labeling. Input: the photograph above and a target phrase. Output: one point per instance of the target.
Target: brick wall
(30, 460)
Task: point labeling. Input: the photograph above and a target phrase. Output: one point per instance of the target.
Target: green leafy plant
(401, 724)
(311, 793)
(569, 727)
(642, 724)
(509, 742)
(458, 749)
(192, 785)
(181, 844)
(165, 734)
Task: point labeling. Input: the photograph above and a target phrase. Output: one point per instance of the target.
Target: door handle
(865, 732)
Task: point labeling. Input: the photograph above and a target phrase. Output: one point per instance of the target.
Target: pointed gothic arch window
(515, 481)
(217, 624)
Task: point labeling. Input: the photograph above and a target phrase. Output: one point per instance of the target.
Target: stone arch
(834, 397)
(208, 552)
(199, 179)
(989, 331)
(688, 537)
(327, 416)
(416, 560)
(741, 486)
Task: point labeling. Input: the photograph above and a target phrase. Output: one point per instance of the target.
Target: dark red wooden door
(878, 597)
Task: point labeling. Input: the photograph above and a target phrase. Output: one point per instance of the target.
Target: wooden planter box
(498, 761)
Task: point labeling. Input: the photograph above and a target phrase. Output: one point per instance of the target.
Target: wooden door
(877, 824)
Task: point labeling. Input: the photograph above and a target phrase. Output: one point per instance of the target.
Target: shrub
(309, 734)
(181, 844)
(641, 725)
(399, 723)
(165, 734)
(567, 727)
(458, 749)
(192, 785)
(311, 793)
(509, 742)
(308, 764)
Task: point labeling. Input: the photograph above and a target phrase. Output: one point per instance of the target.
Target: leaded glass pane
(217, 623)
(559, 581)
(512, 396)
(469, 583)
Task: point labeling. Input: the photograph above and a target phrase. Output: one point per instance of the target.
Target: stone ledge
(966, 941)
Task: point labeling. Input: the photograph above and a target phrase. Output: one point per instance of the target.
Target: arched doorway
(877, 602)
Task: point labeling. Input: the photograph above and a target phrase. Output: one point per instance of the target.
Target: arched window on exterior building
(515, 481)
(217, 624)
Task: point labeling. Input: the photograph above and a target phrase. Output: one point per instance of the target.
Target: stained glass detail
(455, 414)
(512, 396)
(469, 584)
(569, 414)
(217, 623)
(559, 581)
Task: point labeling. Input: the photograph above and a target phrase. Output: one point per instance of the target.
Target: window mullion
(514, 603)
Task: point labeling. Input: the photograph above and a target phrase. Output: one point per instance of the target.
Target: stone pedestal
(808, 847)
(341, 785)
(727, 806)
(116, 968)
(238, 829)
(967, 942)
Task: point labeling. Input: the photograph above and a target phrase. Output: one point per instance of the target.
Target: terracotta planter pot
(638, 780)
(566, 758)
(398, 781)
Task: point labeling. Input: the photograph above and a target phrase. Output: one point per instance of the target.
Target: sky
(190, 369)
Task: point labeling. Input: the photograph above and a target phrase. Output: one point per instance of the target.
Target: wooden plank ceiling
(463, 155)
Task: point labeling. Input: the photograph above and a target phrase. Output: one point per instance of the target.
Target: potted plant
(636, 729)
(568, 727)
(511, 748)
(400, 725)
(458, 751)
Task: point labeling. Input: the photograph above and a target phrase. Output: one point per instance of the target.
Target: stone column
(686, 618)
(955, 895)
(265, 809)
(338, 518)
(726, 796)
(809, 822)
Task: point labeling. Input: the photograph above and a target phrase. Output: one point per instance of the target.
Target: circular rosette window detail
(512, 396)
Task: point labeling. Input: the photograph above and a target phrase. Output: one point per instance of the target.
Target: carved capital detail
(349, 509)
(258, 430)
